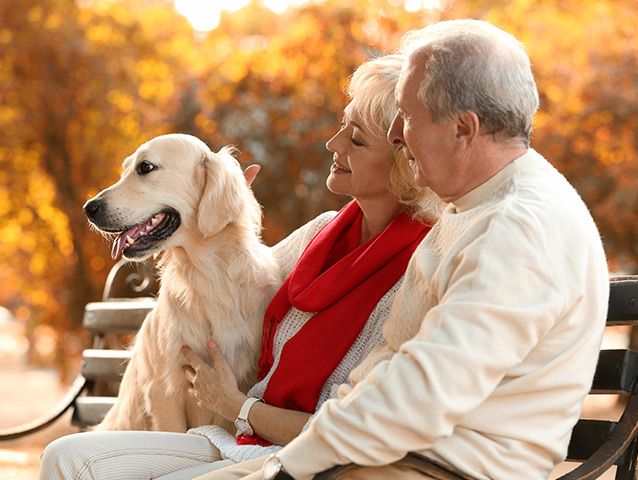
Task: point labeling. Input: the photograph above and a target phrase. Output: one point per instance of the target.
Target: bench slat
(104, 364)
(117, 316)
(623, 301)
(90, 411)
(615, 372)
(587, 437)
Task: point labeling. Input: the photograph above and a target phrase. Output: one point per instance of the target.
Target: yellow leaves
(97, 264)
(273, 85)
(5, 201)
(5, 36)
(38, 264)
(34, 14)
(156, 80)
(24, 217)
(98, 33)
(53, 21)
(235, 71)
(129, 127)
(121, 100)
(11, 233)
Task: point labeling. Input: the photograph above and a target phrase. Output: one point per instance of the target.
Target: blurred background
(84, 82)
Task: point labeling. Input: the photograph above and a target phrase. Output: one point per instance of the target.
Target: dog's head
(173, 190)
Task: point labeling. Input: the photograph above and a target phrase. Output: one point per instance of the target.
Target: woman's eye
(144, 168)
(356, 142)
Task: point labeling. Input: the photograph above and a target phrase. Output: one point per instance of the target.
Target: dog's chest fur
(190, 311)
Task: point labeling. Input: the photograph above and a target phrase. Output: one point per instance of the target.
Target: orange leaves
(83, 83)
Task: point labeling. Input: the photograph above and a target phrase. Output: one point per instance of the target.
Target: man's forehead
(407, 81)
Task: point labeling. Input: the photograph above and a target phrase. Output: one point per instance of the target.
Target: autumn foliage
(83, 83)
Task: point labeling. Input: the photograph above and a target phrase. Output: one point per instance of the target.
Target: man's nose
(395, 132)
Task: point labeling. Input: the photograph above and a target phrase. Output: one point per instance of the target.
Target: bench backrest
(599, 444)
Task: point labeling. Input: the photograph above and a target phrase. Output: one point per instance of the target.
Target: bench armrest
(614, 446)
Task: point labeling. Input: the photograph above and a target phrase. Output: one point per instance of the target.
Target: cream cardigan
(492, 339)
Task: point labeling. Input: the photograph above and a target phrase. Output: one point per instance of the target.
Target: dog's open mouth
(135, 241)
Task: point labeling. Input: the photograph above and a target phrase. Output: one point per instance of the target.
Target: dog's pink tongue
(120, 242)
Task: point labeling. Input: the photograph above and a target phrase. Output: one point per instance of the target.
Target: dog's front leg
(198, 416)
(168, 410)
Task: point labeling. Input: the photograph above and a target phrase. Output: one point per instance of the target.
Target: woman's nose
(333, 144)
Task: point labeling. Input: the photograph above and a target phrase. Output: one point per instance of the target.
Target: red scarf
(342, 282)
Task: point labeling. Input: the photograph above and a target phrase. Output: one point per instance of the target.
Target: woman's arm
(215, 388)
(275, 424)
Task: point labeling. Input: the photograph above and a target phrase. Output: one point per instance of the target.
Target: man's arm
(490, 316)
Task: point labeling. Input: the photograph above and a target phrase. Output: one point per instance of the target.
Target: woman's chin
(336, 186)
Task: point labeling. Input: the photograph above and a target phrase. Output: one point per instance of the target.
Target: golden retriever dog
(177, 197)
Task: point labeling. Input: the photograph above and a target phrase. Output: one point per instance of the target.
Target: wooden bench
(127, 299)
(596, 444)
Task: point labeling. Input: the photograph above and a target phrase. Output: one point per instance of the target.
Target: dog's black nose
(92, 207)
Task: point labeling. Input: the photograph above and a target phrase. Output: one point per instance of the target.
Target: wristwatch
(241, 422)
(273, 469)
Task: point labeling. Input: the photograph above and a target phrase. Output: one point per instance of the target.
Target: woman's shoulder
(288, 250)
(320, 220)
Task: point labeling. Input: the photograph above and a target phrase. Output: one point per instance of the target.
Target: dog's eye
(144, 168)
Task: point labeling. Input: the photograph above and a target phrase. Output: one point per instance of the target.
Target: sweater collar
(480, 194)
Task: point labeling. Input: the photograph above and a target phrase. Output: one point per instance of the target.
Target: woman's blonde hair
(371, 91)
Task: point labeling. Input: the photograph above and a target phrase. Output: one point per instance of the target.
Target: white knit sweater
(287, 252)
(492, 339)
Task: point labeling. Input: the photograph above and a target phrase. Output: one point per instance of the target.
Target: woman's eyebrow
(356, 125)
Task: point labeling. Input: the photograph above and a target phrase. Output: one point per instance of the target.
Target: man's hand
(213, 384)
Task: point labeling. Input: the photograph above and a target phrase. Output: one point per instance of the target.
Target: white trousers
(129, 456)
(251, 470)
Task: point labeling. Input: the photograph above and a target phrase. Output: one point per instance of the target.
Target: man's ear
(468, 127)
(220, 202)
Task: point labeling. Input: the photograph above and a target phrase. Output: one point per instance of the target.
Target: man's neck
(486, 160)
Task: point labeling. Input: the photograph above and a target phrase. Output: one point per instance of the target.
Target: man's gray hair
(474, 66)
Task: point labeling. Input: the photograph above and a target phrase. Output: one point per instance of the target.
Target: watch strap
(245, 409)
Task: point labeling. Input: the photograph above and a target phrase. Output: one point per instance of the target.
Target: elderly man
(493, 337)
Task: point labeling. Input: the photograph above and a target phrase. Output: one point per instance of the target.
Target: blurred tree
(80, 89)
(275, 87)
(82, 84)
(586, 64)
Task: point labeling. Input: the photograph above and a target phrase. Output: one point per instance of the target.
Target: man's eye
(144, 168)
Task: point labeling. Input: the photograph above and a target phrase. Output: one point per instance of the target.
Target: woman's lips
(336, 167)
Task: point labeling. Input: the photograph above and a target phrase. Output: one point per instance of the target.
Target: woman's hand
(213, 384)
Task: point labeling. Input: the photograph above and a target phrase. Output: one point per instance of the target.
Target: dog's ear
(221, 200)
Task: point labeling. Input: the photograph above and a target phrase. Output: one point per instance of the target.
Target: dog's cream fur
(216, 277)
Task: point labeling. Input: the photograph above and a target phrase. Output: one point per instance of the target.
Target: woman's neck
(376, 216)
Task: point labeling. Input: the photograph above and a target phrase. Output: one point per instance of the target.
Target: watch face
(243, 427)
(272, 466)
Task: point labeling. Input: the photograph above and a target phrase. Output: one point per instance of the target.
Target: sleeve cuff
(303, 465)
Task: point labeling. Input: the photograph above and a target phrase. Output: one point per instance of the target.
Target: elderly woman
(342, 272)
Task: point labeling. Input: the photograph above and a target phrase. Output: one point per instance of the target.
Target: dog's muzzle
(94, 208)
